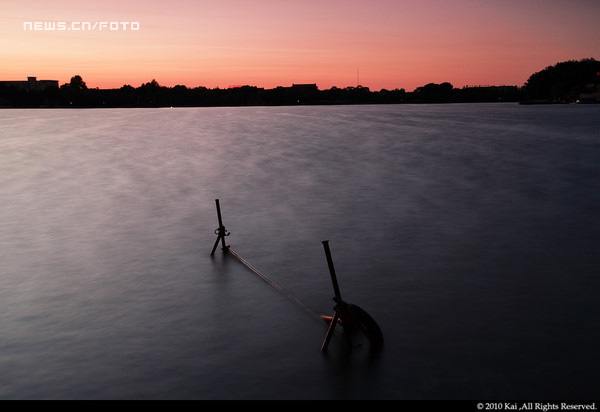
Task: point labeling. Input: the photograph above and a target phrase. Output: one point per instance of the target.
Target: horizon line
(238, 86)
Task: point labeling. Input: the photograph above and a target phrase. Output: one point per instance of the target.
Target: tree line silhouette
(563, 82)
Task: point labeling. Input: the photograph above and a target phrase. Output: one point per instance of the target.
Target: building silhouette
(31, 84)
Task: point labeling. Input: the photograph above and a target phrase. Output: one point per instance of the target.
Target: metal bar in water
(330, 331)
(336, 287)
(221, 227)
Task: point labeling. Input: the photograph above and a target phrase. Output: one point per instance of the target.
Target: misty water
(469, 232)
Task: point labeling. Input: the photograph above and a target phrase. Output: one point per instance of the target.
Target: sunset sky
(394, 43)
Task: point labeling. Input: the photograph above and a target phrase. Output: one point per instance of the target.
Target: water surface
(470, 232)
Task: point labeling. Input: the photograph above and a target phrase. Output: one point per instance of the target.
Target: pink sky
(394, 43)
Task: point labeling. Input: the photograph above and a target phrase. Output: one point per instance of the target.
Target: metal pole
(330, 331)
(336, 288)
(221, 227)
(221, 231)
(212, 253)
(219, 213)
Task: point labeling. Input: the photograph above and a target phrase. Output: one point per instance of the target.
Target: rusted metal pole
(336, 287)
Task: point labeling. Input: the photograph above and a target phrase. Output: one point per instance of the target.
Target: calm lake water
(470, 232)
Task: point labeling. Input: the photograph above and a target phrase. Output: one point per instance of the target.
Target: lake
(469, 232)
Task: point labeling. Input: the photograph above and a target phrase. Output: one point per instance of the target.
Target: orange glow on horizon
(394, 43)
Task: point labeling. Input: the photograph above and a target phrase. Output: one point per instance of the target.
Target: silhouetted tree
(563, 82)
(75, 93)
(152, 85)
(77, 83)
(151, 95)
(432, 92)
(127, 88)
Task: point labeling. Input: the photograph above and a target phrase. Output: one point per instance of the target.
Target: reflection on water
(468, 231)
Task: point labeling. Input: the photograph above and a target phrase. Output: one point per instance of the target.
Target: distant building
(305, 87)
(32, 83)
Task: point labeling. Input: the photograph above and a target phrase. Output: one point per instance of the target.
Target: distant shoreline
(524, 103)
(564, 83)
(257, 106)
(77, 94)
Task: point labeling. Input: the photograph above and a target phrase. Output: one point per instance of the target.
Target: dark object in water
(221, 232)
(351, 317)
(364, 323)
